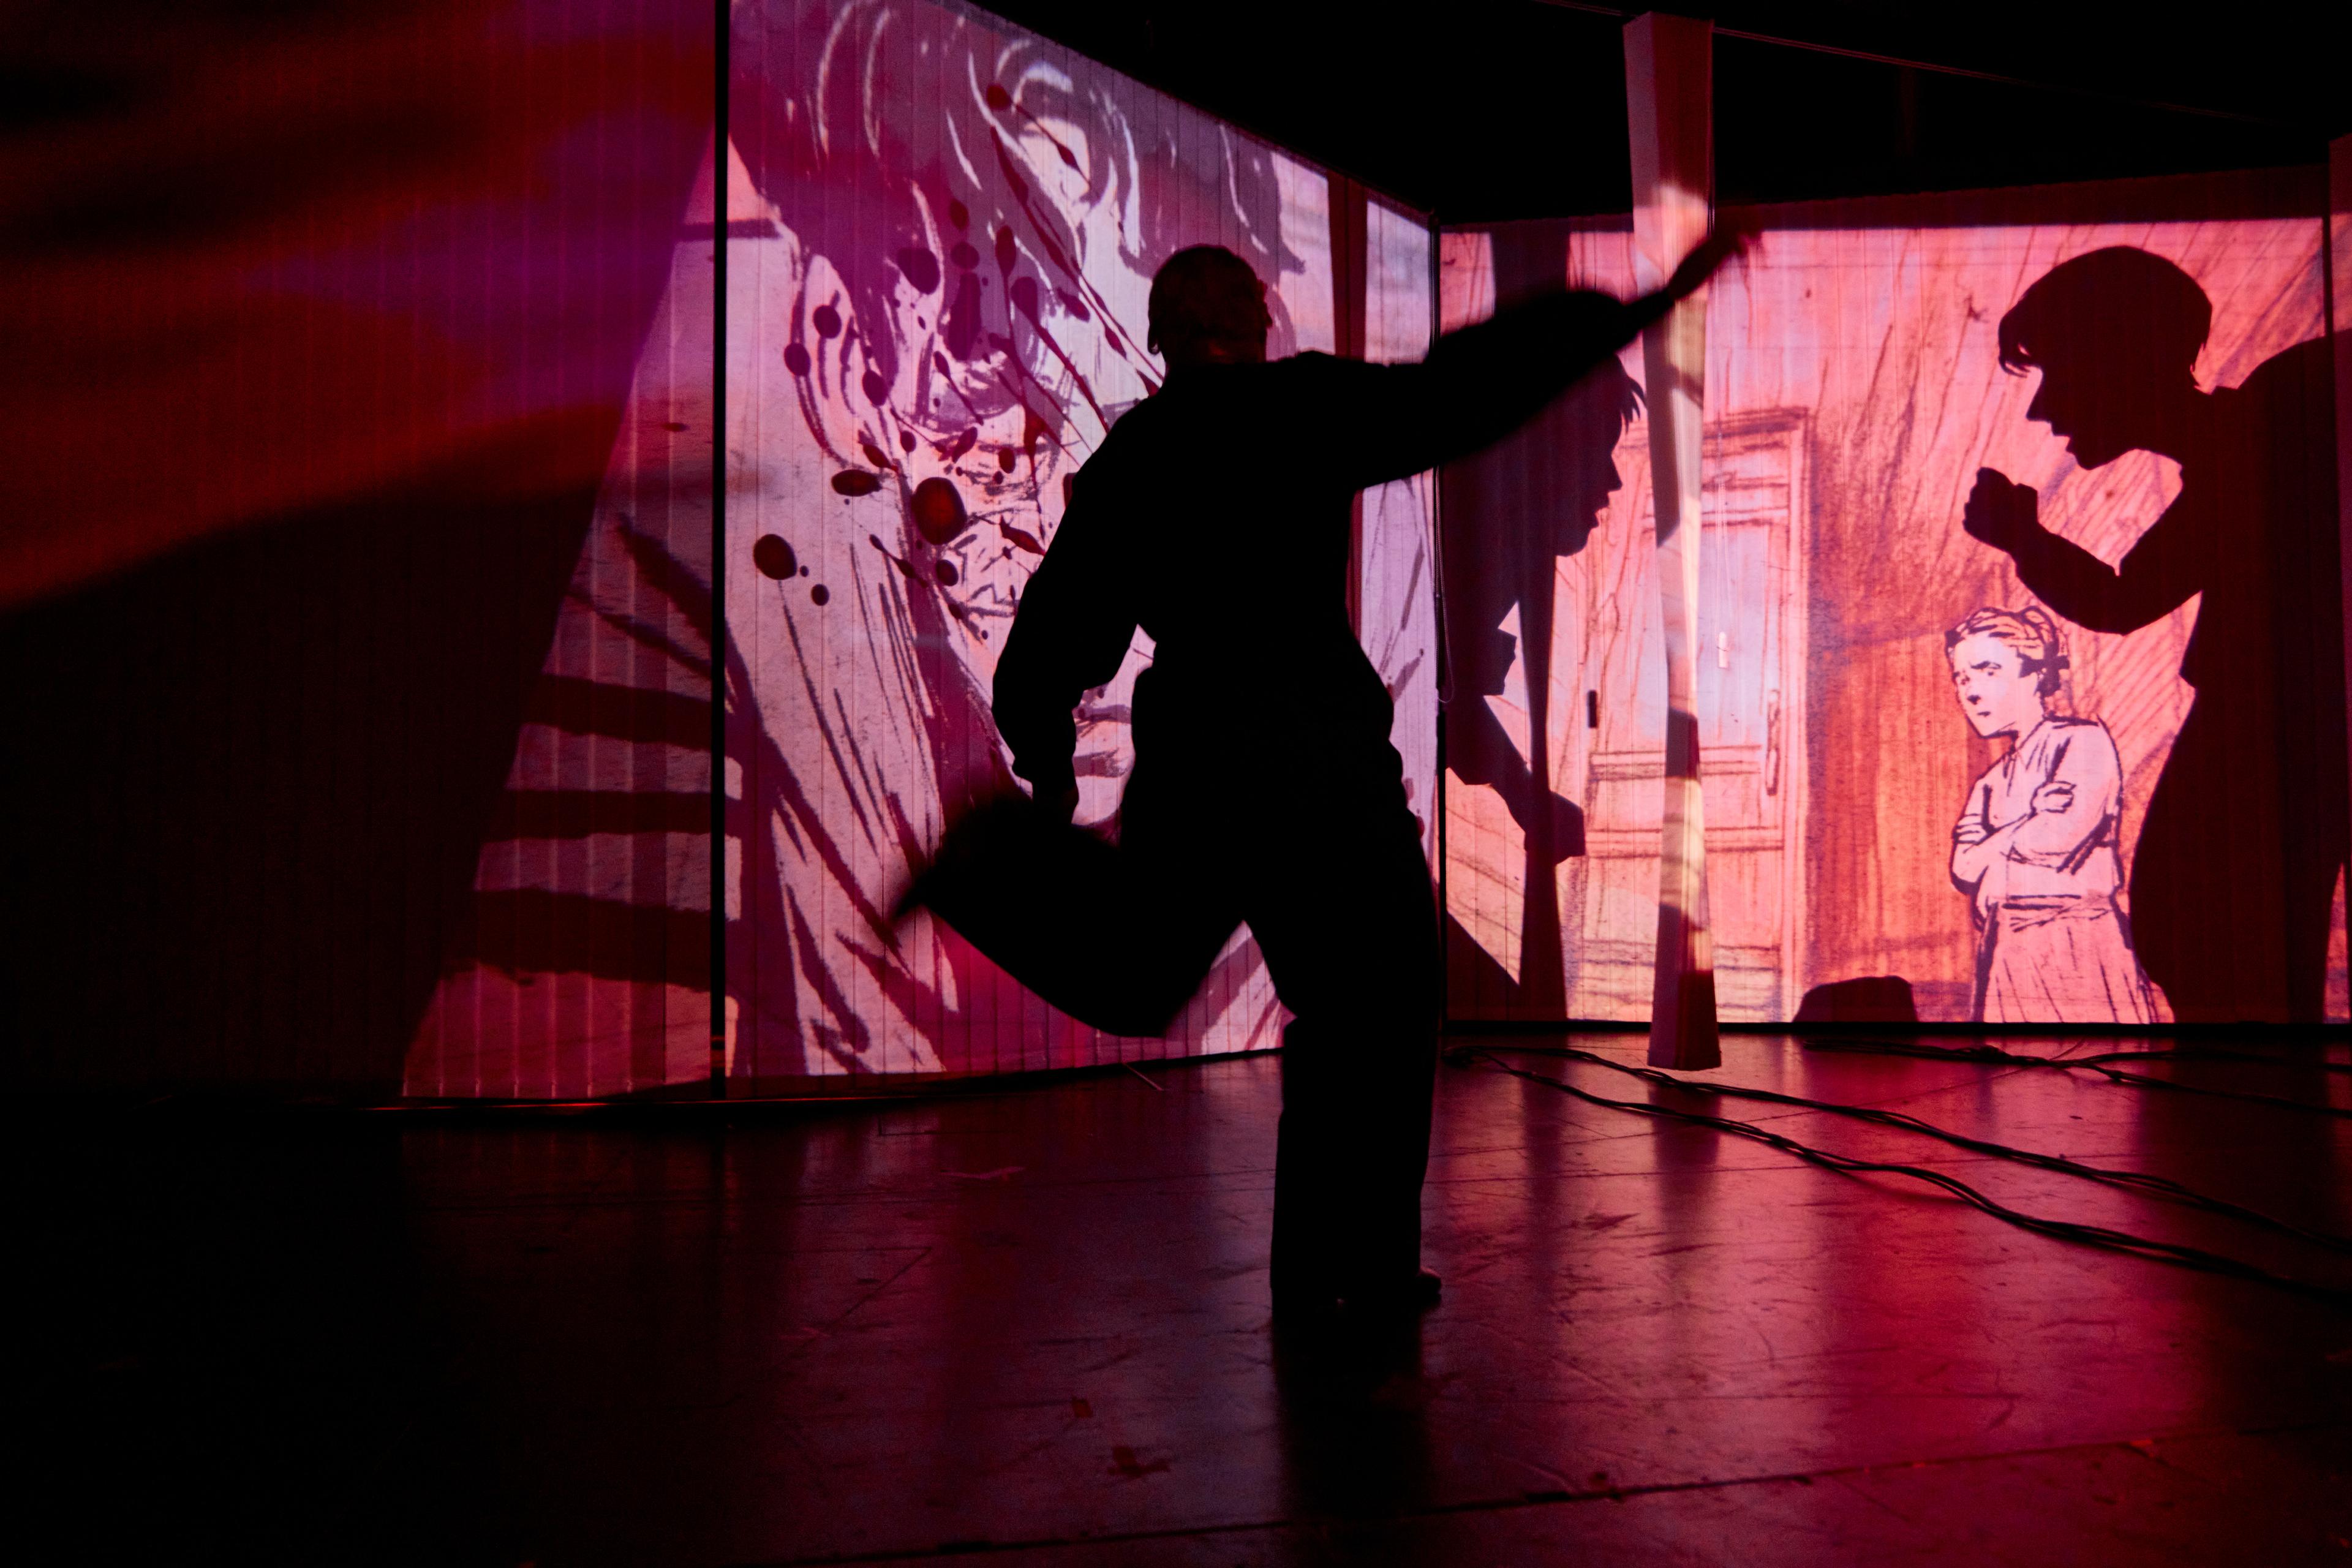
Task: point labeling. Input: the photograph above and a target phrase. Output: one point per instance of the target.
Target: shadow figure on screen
(1511, 513)
(1265, 789)
(1864, 999)
(2235, 868)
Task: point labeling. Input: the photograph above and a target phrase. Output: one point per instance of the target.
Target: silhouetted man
(2236, 865)
(1215, 516)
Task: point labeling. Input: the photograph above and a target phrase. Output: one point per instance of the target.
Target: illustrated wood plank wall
(1872, 321)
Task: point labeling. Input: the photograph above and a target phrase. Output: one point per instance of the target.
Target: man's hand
(2002, 514)
(1730, 237)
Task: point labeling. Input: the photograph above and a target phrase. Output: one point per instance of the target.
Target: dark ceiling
(1494, 109)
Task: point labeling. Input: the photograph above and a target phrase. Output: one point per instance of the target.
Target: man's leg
(1117, 937)
(1343, 912)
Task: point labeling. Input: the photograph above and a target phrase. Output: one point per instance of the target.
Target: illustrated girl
(2035, 845)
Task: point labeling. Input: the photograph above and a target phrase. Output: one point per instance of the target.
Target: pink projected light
(939, 318)
(1854, 388)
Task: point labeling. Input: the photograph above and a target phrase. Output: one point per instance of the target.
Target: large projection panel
(585, 964)
(1399, 626)
(1853, 390)
(941, 314)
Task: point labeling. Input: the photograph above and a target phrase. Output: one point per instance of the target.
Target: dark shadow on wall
(1510, 513)
(326, 319)
(253, 780)
(1869, 999)
(2236, 865)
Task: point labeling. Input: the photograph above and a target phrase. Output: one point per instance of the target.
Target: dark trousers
(1328, 870)
(1337, 895)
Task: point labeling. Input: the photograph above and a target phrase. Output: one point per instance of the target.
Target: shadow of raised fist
(2001, 514)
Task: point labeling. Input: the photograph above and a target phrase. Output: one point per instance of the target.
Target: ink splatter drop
(956, 448)
(959, 215)
(796, 359)
(939, 510)
(939, 363)
(852, 482)
(1006, 253)
(964, 255)
(672, 425)
(1024, 297)
(804, 570)
(998, 98)
(904, 566)
(1006, 459)
(1012, 173)
(878, 391)
(1021, 539)
(962, 322)
(827, 322)
(906, 440)
(819, 594)
(946, 572)
(875, 455)
(773, 557)
(1074, 305)
(921, 268)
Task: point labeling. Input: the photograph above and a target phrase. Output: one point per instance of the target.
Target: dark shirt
(1215, 516)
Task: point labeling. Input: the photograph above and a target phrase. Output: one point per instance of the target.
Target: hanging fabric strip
(1667, 61)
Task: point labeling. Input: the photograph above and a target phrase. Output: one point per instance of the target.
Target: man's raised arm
(1482, 381)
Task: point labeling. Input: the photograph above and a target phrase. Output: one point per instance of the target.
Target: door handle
(1772, 743)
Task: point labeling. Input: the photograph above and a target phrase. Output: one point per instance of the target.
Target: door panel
(1749, 702)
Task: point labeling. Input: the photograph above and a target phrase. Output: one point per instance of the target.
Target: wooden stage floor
(1030, 1326)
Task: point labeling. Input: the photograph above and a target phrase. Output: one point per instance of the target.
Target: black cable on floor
(2207, 1053)
(2065, 1230)
(2096, 1064)
(2136, 1181)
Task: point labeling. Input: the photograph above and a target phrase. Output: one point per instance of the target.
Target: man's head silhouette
(1208, 308)
(2115, 334)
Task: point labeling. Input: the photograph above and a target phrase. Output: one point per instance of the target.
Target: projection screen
(940, 234)
(1854, 388)
(936, 309)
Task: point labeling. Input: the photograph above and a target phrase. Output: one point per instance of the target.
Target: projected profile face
(1997, 693)
(1604, 484)
(2090, 415)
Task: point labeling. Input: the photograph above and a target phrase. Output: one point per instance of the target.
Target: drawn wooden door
(1751, 725)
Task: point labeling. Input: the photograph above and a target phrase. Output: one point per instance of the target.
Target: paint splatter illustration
(948, 320)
